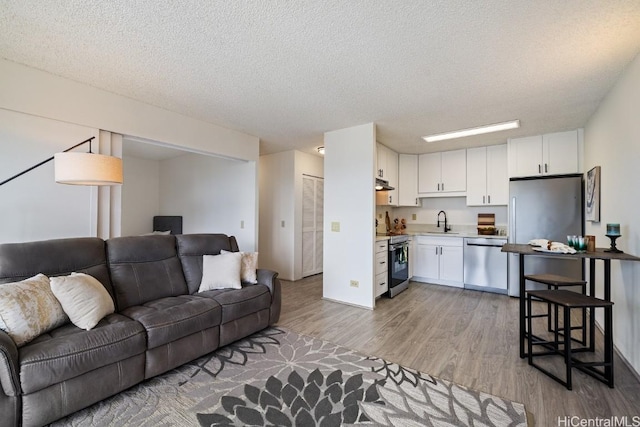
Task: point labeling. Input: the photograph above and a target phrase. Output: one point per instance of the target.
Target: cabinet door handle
(483, 200)
(390, 199)
(436, 250)
(489, 198)
(443, 186)
(438, 186)
(416, 201)
(539, 169)
(546, 169)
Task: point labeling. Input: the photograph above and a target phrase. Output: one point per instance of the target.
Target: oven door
(398, 264)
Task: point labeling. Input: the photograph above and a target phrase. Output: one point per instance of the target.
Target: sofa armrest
(269, 278)
(9, 364)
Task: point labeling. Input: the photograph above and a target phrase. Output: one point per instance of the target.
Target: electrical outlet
(242, 224)
(335, 226)
(414, 217)
(354, 283)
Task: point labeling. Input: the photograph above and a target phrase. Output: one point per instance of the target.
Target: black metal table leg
(592, 311)
(523, 309)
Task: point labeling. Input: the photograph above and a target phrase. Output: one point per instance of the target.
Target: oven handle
(395, 246)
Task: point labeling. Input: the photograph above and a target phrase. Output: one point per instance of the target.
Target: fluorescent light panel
(473, 131)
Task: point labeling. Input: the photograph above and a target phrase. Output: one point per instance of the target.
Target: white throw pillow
(83, 298)
(221, 271)
(28, 309)
(249, 266)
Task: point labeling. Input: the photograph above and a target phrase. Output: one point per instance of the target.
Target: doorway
(312, 224)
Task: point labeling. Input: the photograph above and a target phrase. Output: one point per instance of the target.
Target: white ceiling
(288, 71)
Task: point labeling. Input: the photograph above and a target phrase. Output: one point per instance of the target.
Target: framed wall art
(592, 195)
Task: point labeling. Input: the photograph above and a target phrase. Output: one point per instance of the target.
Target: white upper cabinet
(442, 174)
(550, 154)
(408, 180)
(387, 169)
(487, 177)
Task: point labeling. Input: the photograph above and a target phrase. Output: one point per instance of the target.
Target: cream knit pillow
(249, 266)
(83, 298)
(28, 309)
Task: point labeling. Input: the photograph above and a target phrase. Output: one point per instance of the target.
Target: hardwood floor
(464, 336)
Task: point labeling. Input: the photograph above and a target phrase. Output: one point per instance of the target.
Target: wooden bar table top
(599, 254)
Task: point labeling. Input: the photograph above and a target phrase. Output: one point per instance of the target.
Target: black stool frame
(569, 300)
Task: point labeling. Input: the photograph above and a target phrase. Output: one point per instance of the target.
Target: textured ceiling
(288, 71)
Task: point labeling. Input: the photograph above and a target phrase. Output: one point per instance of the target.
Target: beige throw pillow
(249, 266)
(83, 298)
(221, 271)
(28, 309)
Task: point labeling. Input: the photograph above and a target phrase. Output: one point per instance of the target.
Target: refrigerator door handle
(512, 223)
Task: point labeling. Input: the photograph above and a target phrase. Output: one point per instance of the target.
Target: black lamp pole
(48, 160)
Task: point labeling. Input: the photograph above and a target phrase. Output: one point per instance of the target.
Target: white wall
(42, 94)
(281, 202)
(213, 195)
(349, 201)
(140, 195)
(612, 141)
(277, 212)
(34, 92)
(34, 206)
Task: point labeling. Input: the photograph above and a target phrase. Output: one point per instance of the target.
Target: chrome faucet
(445, 221)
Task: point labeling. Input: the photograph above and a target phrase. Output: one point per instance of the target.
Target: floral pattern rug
(279, 378)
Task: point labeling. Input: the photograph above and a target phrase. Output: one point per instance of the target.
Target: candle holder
(613, 248)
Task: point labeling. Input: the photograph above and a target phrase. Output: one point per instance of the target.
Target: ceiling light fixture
(473, 131)
(320, 150)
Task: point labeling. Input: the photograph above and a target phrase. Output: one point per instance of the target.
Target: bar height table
(599, 254)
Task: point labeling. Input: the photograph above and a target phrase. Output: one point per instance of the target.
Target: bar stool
(569, 300)
(555, 281)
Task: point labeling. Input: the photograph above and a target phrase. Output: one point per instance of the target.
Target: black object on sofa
(161, 321)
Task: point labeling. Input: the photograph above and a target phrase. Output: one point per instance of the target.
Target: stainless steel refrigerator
(544, 208)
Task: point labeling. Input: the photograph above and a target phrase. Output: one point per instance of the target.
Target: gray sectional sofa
(160, 320)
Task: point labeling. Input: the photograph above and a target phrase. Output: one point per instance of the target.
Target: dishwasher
(485, 265)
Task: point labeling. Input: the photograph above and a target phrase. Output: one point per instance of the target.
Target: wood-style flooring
(464, 336)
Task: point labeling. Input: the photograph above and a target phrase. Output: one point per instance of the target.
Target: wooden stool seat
(570, 300)
(555, 281)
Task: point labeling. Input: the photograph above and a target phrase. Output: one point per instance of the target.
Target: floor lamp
(81, 168)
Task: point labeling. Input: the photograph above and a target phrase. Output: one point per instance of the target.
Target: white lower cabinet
(439, 260)
(381, 284)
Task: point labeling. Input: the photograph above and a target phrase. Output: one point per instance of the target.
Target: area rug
(279, 378)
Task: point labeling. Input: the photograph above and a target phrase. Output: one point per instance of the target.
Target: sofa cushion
(171, 318)
(56, 257)
(237, 303)
(191, 248)
(144, 268)
(68, 351)
(28, 308)
(83, 299)
(248, 267)
(221, 271)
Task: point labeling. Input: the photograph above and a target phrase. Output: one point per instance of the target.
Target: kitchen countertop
(440, 234)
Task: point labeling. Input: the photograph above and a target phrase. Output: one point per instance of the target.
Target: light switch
(335, 226)
(414, 217)
(242, 224)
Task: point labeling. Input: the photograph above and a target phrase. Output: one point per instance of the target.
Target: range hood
(382, 185)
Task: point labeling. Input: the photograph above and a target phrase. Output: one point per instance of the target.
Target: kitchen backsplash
(460, 217)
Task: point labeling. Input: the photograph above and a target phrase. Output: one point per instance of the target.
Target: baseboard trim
(347, 303)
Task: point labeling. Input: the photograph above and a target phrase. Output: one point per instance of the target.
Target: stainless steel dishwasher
(485, 265)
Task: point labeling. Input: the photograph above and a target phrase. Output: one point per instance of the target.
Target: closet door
(312, 218)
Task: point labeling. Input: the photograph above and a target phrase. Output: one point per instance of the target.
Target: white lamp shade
(87, 169)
